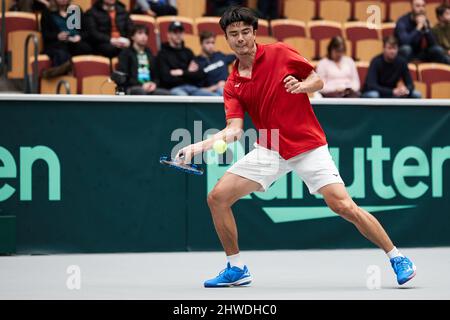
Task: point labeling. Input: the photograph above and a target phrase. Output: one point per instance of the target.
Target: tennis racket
(179, 165)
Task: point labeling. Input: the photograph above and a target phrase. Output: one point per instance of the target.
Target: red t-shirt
(265, 99)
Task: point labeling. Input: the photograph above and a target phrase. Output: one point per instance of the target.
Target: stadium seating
(335, 10)
(191, 8)
(150, 23)
(320, 30)
(98, 85)
(431, 73)
(440, 90)
(361, 7)
(164, 22)
(85, 5)
(193, 43)
(303, 10)
(398, 9)
(363, 68)
(286, 28)
(421, 87)
(387, 29)
(208, 24)
(265, 40)
(369, 40)
(263, 28)
(89, 66)
(305, 46)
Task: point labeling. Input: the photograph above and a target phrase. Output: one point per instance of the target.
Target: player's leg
(227, 191)
(338, 200)
(255, 172)
(318, 171)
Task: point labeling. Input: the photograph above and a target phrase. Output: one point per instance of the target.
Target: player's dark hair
(206, 35)
(139, 27)
(441, 9)
(390, 40)
(238, 14)
(336, 43)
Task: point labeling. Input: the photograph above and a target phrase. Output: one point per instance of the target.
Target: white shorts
(315, 167)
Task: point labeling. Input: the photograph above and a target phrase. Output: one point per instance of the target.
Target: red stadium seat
(440, 90)
(357, 31)
(387, 29)
(305, 46)
(363, 68)
(191, 8)
(263, 28)
(319, 30)
(398, 9)
(90, 65)
(433, 72)
(285, 28)
(335, 10)
(413, 71)
(361, 7)
(150, 23)
(304, 10)
(164, 22)
(208, 24)
(19, 21)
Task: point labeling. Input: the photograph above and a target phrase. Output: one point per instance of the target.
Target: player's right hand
(186, 154)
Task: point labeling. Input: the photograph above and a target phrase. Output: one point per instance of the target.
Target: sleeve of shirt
(233, 107)
(296, 64)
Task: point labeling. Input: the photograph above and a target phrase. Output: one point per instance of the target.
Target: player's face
(390, 51)
(418, 7)
(140, 38)
(208, 45)
(241, 38)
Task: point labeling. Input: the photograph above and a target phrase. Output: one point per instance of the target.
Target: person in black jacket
(385, 72)
(179, 72)
(138, 63)
(416, 40)
(61, 38)
(109, 26)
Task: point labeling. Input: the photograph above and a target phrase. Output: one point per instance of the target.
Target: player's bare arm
(311, 84)
(230, 133)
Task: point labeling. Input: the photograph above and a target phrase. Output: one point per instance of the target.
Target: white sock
(394, 253)
(236, 261)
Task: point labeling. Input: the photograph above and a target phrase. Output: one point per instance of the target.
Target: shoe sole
(240, 283)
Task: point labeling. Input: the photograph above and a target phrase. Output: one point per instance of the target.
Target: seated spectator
(213, 63)
(156, 8)
(218, 7)
(109, 26)
(415, 36)
(441, 30)
(338, 72)
(178, 71)
(385, 72)
(61, 40)
(138, 63)
(30, 5)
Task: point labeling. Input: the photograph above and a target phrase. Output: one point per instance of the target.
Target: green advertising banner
(84, 176)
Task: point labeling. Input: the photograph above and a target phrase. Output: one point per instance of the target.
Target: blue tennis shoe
(230, 277)
(403, 268)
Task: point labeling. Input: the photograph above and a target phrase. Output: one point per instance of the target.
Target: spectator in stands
(218, 7)
(109, 26)
(156, 8)
(138, 63)
(179, 72)
(338, 72)
(213, 63)
(385, 72)
(441, 30)
(415, 36)
(61, 39)
(30, 5)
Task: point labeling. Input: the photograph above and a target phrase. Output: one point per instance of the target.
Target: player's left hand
(292, 85)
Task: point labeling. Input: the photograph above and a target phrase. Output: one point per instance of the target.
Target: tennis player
(271, 83)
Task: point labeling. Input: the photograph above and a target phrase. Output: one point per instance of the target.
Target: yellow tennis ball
(220, 146)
